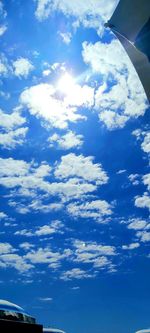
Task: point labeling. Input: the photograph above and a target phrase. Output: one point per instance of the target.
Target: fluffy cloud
(3, 216)
(12, 134)
(143, 136)
(66, 141)
(49, 229)
(143, 201)
(96, 209)
(78, 10)
(22, 67)
(47, 256)
(83, 167)
(144, 236)
(134, 179)
(13, 138)
(131, 246)
(137, 224)
(11, 121)
(73, 177)
(125, 97)
(26, 246)
(93, 253)
(42, 103)
(75, 273)
(146, 143)
(10, 259)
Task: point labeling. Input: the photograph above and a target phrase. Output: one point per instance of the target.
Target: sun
(66, 84)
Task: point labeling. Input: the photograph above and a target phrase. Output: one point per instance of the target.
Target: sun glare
(66, 83)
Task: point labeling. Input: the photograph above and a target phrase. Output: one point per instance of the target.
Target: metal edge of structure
(127, 22)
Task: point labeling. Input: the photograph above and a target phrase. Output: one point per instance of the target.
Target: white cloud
(45, 299)
(54, 227)
(6, 248)
(15, 261)
(48, 229)
(143, 201)
(139, 134)
(42, 103)
(29, 179)
(96, 209)
(125, 98)
(144, 236)
(146, 180)
(131, 246)
(82, 167)
(120, 172)
(76, 176)
(13, 138)
(22, 67)
(12, 134)
(10, 259)
(134, 179)
(137, 224)
(93, 253)
(11, 121)
(3, 12)
(79, 11)
(79, 96)
(46, 72)
(66, 141)
(75, 273)
(3, 29)
(47, 256)
(3, 216)
(146, 143)
(4, 67)
(26, 246)
(66, 37)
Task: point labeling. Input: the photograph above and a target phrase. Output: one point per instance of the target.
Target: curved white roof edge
(144, 331)
(54, 330)
(11, 305)
(127, 22)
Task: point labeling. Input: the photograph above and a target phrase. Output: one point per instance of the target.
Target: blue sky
(74, 169)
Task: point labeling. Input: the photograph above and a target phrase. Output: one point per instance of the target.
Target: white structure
(52, 330)
(131, 24)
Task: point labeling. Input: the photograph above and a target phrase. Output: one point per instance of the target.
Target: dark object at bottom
(8, 326)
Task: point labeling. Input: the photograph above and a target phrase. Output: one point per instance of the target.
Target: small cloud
(66, 37)
(22, 67)
(137, 224)
(45, 299)
(131, 246)
(66, 141)
(3, 29)
(75, 288)
(120, 172)
(46, 72)
(134, 179)
(3, 216)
